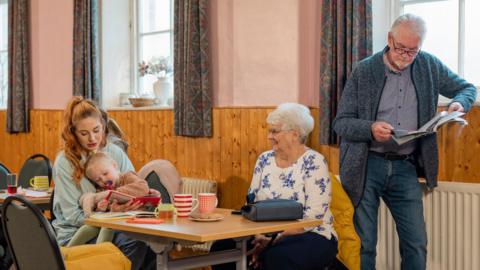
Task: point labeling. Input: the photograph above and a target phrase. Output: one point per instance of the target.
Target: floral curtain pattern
(18, 106)
(193, 93)
(86, 50)
(346, 39)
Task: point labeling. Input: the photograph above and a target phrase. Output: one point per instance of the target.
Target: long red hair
(78, 109)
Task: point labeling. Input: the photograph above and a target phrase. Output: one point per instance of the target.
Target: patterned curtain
(193, 94)
(346, 39)
(18, 119)
(86, 52)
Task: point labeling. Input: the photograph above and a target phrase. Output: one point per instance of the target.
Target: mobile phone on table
(236, 212)
(145, 215)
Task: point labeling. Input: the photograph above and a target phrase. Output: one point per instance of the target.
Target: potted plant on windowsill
(161, 68)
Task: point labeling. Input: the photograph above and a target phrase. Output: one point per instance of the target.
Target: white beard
(401, 65)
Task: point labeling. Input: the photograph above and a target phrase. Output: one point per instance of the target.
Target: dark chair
(5, 257)
(29, 235)
(154, 182)
(32, 243)
(36, 165)
(3, 176)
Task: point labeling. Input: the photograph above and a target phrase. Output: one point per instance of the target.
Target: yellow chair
(348, 240)
(87, 257)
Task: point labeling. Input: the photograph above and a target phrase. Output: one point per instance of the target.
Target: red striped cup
(185, 204)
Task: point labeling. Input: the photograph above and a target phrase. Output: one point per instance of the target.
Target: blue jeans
(397, 184)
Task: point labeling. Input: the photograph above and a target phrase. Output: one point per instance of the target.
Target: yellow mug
(39, 182)
(165, 211)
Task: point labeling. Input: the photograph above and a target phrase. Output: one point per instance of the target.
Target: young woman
(84, 133)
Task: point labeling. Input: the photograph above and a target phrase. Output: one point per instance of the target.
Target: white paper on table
(35, 193)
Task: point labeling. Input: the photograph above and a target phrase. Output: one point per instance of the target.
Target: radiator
(452, 217)
(195, 186)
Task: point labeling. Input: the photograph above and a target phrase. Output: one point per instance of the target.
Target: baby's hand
(102, 206)
(129, 206)
(153, 192)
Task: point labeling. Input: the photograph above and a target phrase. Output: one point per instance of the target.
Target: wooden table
(161, 237)
(43, 202)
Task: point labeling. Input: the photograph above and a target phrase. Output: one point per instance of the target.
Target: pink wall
(51, 32)
(221, 50)
(263, 52)
(265, 56)
(309, 29)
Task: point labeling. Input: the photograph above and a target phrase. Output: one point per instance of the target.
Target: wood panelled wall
(240, 135)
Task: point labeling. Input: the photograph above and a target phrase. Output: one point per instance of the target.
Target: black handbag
(275, 209)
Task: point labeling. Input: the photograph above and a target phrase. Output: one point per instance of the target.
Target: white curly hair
(292, 116)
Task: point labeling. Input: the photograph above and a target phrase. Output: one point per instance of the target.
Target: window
(154, 38)
(133, 31)
(3, 53)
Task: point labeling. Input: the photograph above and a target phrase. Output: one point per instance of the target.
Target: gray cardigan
(358, 107)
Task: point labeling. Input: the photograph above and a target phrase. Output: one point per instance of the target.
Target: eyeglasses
(275, 131)
(404, 51)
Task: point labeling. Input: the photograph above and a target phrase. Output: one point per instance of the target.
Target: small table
(42, 202)
(161, 237)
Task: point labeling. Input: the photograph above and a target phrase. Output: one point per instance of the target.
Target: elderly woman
(291, 170)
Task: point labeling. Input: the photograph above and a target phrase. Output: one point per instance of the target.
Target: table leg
(161, 249)
(241, 244)
(162, 246)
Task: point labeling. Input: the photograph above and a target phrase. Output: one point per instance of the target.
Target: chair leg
(6, 259)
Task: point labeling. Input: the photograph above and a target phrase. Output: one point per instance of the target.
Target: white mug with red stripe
(207, 202)
(185, 204)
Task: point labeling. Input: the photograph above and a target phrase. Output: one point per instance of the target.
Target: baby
(103, 172)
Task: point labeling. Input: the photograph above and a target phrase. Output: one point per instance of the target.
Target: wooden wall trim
(239, 136)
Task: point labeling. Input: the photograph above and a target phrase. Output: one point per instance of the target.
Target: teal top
(69, 215)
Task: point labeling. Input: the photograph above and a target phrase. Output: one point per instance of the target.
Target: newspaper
(401, 136)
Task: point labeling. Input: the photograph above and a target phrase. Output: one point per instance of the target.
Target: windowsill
(146, 108)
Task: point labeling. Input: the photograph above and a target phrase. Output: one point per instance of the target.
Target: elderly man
(395, 88)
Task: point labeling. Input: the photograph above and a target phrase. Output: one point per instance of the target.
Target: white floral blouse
(307, 181)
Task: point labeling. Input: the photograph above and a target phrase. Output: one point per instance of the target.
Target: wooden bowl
(142, 102)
